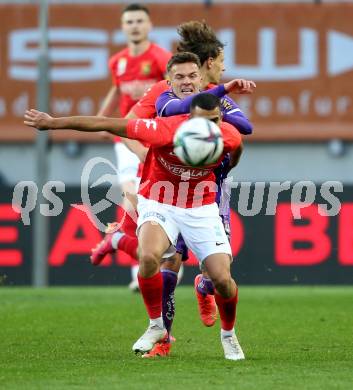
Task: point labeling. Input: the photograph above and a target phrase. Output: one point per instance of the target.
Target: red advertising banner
(300, 56)
(268, 248)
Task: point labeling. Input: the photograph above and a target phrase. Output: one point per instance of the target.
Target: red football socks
(128, 244)
(227, 310)
(151, 290)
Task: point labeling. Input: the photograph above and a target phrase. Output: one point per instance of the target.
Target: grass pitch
(81, 338)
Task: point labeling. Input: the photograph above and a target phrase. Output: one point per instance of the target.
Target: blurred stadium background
(300, 54)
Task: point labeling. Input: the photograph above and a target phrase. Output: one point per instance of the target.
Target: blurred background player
(134, 69)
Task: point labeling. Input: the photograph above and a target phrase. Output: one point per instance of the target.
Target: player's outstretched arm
(43, 121)
(168, 105)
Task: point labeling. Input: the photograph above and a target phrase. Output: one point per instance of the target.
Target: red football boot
(207, 305)
(105, 246)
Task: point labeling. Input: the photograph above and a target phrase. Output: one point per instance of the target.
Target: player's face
(216, 68)
(212, 115)
(185, 79)
(136, 25)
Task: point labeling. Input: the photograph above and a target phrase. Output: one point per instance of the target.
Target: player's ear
(168, 81)
(209, 62)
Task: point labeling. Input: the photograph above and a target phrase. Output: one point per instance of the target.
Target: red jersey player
(134, 69)
(182, 71)
(160, 223)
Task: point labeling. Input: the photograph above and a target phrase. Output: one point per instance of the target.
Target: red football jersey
(164, 178)
(134, 75)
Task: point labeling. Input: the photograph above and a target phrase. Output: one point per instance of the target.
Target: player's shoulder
(158, 50)
(227, 128)
(228, 104)
(159, 88)
(168, 93)
(210, 86)
(231, 136)
(116, 57)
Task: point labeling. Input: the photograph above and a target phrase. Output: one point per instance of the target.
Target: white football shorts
(127, 163)
(201, 227)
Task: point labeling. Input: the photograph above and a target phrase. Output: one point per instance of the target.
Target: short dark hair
(136, 7)
(182, 58)
(199, 38)
(206, 101)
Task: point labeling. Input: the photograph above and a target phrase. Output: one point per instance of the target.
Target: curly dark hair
(199, 38)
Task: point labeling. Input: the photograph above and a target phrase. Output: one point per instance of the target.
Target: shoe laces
(232, 342)
(152, 328)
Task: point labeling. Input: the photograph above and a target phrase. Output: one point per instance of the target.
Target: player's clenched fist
(240, 86)
(38, 119)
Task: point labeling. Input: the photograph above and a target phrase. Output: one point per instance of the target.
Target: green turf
(81, 338)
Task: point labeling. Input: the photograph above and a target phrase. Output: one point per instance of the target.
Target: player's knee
(148, 258)
(223, 284)
(221, 280)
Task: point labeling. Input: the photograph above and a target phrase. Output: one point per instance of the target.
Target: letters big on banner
(300, 55)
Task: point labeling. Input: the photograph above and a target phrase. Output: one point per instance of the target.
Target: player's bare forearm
(116, 126)
(235, 156)
(110, 103)
(43, 121)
